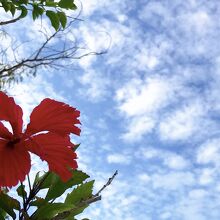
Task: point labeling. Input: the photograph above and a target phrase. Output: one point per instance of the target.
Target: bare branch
(10, 21)
(47, 55)
(107, 184)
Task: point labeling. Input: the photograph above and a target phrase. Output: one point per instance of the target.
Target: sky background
(150, 107)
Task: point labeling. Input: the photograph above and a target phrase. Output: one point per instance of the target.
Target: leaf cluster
(50, 206)
(54, 10)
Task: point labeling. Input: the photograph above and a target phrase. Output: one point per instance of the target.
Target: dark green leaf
(37, 179)
(21, 191)
(23, 11)
(38, 201)
(37, 11)
(54, 19)
(76, 147)
(67, 4)
(8, 204)
(57, 187)
(50, 210)
(63, 19)
(51, 4)
(5, 5)
(12, 9)
(2, 214)
(23, 2)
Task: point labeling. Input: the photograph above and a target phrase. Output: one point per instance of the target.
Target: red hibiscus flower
(47, 135)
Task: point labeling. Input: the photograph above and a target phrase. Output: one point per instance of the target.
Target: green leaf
(57, 187)
(6, 5)
(62, 18)
(67, 4)
(37, 179)
(76, 147)
(76, 198)
(38, 202)
(37, 11)
(54, 19)
(8, 204)
(2, 214)
(51, 3)
(50, 210)
(12, 9)
(21, 191)
(82, 192)
(23, 11)
(23, 2)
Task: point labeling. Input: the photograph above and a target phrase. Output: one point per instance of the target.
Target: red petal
(11, 112)
(56, 150)
(54, 116)
(14, 164)
(4, 132)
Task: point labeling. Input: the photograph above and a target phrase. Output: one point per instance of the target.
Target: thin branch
(107, 184)
(10, 21)
(29, 182)
(32, 194)
(24, 201)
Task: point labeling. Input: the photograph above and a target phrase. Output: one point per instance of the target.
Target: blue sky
(150, 107)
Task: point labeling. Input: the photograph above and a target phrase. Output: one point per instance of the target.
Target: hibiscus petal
(4, 132)
(14, 164)
(56, 150)
(54, 116)
(11, 112)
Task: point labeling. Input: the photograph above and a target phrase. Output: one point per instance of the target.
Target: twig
(10, 21)
(107, 184)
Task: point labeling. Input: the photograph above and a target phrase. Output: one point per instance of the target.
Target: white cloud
(138, 97)
(209, 152)
(174, 161)
(96, 86)
(118, 159)
(168, 159)
(184, 122)
(137, 127)
(140, 101)
(207, 176)
(173, 180)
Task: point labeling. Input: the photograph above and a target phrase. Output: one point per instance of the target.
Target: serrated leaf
(8, 204)
(67, 4)
(78, 195)
(82, 192)
(54, 19)
(50, 210)
(62, 18)
(57, 187)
